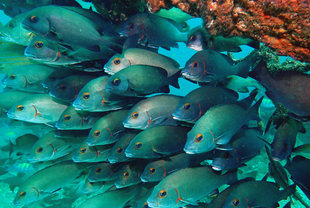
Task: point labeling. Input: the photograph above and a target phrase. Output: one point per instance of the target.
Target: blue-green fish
(104, 172)
(86, 153)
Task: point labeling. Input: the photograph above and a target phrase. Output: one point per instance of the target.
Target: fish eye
(67, 117)
(22, 194)
(187, 106)
(119, 150)
(62, 86)
(126, 174)
(90, 183)
(135, 115)
(19, 107)
(98, 170)
(198, 138)
(138, 145)
(82, 150)
(152, 170)
(193, 37)
(39, 149)
(12, 76)
(116, 82)
(195, 64)
(34, 19)
(38, 44)
(86, 95)
(162, 194)
(116, 61)
(145, 205)
(96, 133)
(236, 202)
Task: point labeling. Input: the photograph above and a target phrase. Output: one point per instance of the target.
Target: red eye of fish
(138, 145)
(198, 138)
(119, 150)
(22, 194)
(20, 108)
(135, 115)
(116, 82)
(67, 117)
(187, 106)
(236, 202)
(96, 133)
(38, 44)
(12, 76)
(34, 19)
(39, 149)
(162, 194)
(82, 150)
(98, 170)
(126, 174)
(152, 170)
(195, 64)
(116, 61)
(86, 96)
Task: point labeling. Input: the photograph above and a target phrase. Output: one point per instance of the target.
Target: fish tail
(173, 80)
(288, 191)
(243, 67)
(254, 114)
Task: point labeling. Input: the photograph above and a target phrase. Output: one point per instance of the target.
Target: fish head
(164, 196)
(195, 41)
(225, 161)
(64, 90)
(137, 148)
(281, 151)
(102, 172)
(69, 120)
(39, 50)
(153, 173)
(133, 26)
(36, 21)
(50, 81)
(23, 111)
(127, 177)
(26, 195)
(41, 152)
(83, 154)
(99, 135)
(116, 63)
(118, 84)
(15, 80)
(137, 119)
(194, 69)
(187, 111)
(199, 142)
(117, 154)
(236, 200)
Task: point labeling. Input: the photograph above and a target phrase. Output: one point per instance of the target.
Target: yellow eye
(116, 82)
(195, 64)
(82, 150)
(198, 138)
(67, 117)
(138, 145)
(116, 61)
(135, 115)
(22, 194)
(187, 106)
(12, 76)
(39, 149)
(90, 183)
(152, 170)
(34, 19)
(119, 150)
(86, 95)
(19, 107)
(96, 133)
(98, 170)
(162, 194)
(126, 174)
(38, 44)
(236, 202)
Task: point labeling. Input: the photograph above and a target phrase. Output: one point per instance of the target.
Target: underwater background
(72, 195)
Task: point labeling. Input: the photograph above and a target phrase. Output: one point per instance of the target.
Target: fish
(242, 85)
(197, 102)
(287, 88)
(47, 181)
(50, 147)
(155, 31)
(94, 187)
(157, 141)
(212, 66)
(130, 174)
(244, 145)
(217, 126)
(68, 88)
(256, 194)
(107, 129)
(91, 154)
(104, 172)
(140, 200)
(115, 198)
(9, 98)
(200, 40)
(302, 150)
(72, 119)
(157, 170)
(94, 98)
(152, 111)
(59, 24)
(138, 56)
(117, 153)
(188, 186)
(28, 78)
(38, 108)
(54, 77)
(140, 80)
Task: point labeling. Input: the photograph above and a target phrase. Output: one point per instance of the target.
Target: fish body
(9, 98)
(91, 154)
(129, 175)
(104, 172)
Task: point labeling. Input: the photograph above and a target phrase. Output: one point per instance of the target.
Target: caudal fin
(247, 64)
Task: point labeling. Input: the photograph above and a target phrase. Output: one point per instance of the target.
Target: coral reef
(283, 25)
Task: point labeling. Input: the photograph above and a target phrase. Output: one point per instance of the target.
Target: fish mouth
(112, 160)
(143, 179)
(128, 154)
(216, 168)
(190, 151)
(11, 115)
(78, 106)
(154, 204)
(107, 70)
(30, 55)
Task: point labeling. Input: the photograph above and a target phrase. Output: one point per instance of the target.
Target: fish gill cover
(120, 104)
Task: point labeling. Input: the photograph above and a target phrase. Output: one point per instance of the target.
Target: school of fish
(88, 120)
